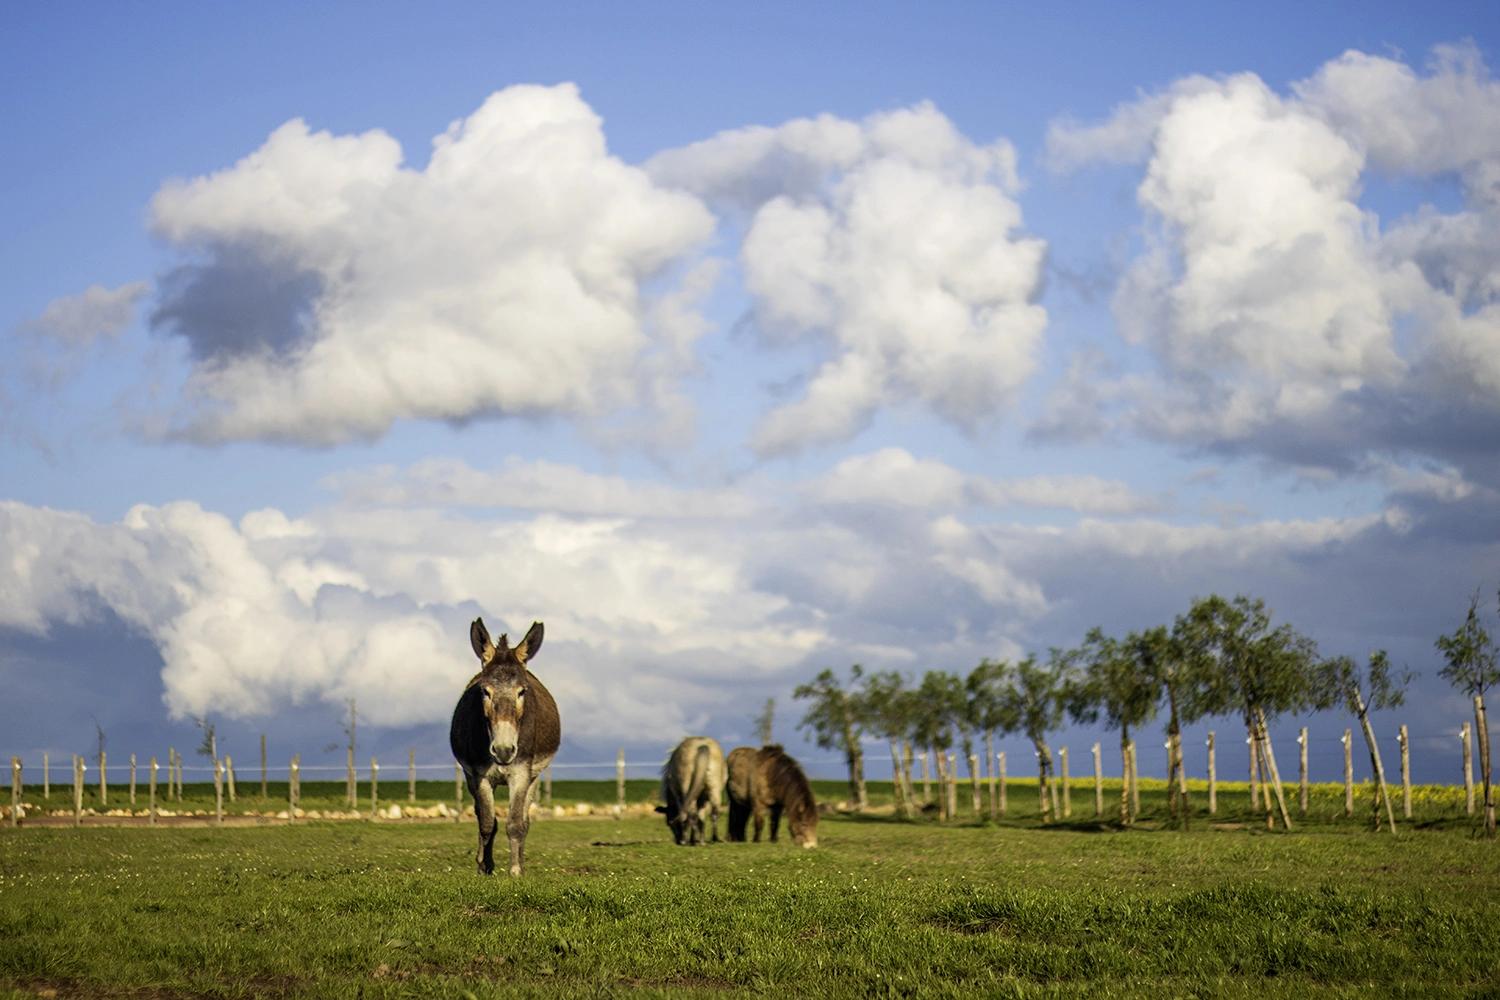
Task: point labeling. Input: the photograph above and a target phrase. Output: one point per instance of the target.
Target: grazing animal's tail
(739, 818)
(700, 777)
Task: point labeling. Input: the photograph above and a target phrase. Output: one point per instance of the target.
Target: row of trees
(1219, 658)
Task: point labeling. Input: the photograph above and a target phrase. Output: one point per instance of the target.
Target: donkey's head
(502, 685)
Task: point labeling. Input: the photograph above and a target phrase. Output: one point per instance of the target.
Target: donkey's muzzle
(503, 741)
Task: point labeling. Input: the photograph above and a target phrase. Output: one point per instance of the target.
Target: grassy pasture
(881, 908)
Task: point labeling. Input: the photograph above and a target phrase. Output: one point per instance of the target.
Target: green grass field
(881, 908)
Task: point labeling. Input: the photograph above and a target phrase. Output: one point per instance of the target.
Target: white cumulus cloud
(1285, 316)
(328, 289)
(896, 242)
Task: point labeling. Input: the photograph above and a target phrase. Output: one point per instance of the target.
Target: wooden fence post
(1466, 735)
(620, 784)
(941, 766)
(952, 786)
(229, 775)
(1098, 780)
(974, 784)
(989, 775)
(1067, 790)
(132, 781)
(1213, 778)
(1405, 773)
(151, 791)
(263, 765)
(78, 769)
(352, 782)
(1135, 783)
(218, 792)
(1054, 790)
(926, 778)
(1000, 765)
(374, 787)
(411, 775)
(103, 779)
(15, 791)
(293, 776)
(171, 771)
(46, 777)
(548, 776)
(1348, 776)
(458, 793)
(1302, 771)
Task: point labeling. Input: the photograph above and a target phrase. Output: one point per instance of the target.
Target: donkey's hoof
(515, 871)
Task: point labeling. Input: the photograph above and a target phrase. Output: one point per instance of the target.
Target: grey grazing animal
(505, 731)
(692, 787)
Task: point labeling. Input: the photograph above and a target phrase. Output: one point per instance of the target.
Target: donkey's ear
(479, 638)
(528, 646)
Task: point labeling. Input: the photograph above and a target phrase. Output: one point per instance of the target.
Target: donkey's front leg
(519, 820)
(484, 812)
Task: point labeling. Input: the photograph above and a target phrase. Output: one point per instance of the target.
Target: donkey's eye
(521, 693)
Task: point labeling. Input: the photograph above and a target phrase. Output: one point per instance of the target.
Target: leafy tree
(1471, 668)
(937, 704)
(1360, 691)
(1033, 694)
(1109, 683)
(883, 707)
(989, 712)
(833, 718)
(1241, 663)
(208, 746)
(1159, 654)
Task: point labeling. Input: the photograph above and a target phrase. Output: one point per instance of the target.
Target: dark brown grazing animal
(505, 731)
(768, 780)
(692, 786)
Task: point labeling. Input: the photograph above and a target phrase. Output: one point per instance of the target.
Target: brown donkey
(505, 731)
(769, 780)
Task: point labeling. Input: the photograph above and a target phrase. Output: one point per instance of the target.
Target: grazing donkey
(692, 786)
(505, 731)
(769, 780)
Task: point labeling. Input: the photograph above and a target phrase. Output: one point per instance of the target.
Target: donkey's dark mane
(788, 785)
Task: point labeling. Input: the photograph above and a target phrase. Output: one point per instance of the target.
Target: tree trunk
(941, 760)
(1380, 790)
(1255, 801)
(903, 804)
(1484, 764)
(857, 791)
(974, 786)
(1273, 772)
(1124, 775)
(1175, 806)
(907, 788)
(989, 767)
(926, 778)
(1043, 776)
(1180, 766)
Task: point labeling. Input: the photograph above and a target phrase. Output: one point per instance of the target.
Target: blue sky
(733, 345)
